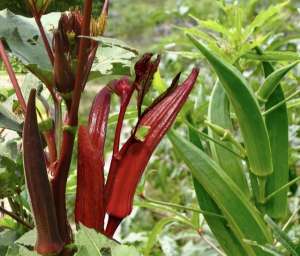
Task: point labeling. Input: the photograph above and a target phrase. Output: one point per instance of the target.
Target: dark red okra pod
(41, 198)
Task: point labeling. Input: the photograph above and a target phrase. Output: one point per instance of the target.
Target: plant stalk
(12, 77)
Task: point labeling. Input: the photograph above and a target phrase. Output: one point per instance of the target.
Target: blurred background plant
(166, 219)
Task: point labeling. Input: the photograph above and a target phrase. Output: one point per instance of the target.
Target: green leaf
(11, 176)
(124, 250)
(158, 83)
(114, 42)
(8, 121)
(273, 56)
(23, 37)
(226, 238)
(13, 251)
(7, 237)
(243, 218)
(157, 229)
(112, 60)
(264, 17)
(28, 239)
(89, 242)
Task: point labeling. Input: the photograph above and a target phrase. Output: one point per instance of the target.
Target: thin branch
(268, 111)
(212, 245)
(204, 135)
(12, 77)
(83, 46)
(15, 217)
(291, 218)
(206, 213)
(282, 188)
(44, 38)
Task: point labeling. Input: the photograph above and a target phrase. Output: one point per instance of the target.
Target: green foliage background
(151, 25)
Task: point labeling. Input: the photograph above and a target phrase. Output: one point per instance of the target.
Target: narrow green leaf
(247, 110)
(226, 238)
(157, 229)
(273, 81)
(219, 113)
(273, 56)
(281, 236)
(243, 218)
(263, 17)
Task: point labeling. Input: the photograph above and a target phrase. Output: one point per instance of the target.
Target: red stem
(59, 185)
(60, 177)
(82, 57)
(44, 37)
(50, 140)
(123, 107)
(12, 77)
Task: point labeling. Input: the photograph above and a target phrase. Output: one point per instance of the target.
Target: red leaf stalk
(12, 77)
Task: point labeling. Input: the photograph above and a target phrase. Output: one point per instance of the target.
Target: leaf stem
(213, 140)
(181, 207)
(279, 104)
(61, 173)
(282, 188)
(82, 57)
(15, 217)
(12, 77)
(44, 38)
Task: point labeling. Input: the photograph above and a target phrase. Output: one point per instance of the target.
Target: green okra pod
(247, 110)
(277, 125)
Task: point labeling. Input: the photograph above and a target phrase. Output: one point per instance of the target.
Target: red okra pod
(89, 207)
(136, 152)
(41, 198)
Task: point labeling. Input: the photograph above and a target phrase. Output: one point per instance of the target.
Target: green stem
(261, 189)
(182, 207)
(204, 135)
(15, 217)
(282, 188)
(276, 106)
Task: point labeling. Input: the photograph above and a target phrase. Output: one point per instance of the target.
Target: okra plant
(48, 145)
(243, 172)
